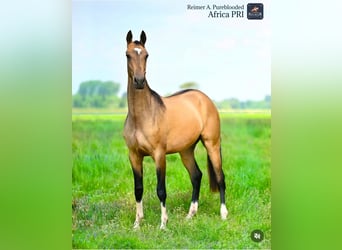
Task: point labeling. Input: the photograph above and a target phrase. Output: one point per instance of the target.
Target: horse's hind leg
(215, 166)
(195, 173)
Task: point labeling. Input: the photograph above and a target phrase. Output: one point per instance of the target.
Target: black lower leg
(196, 178)
(222, 188)
(161, 189)
(138, 185)
(222, 184)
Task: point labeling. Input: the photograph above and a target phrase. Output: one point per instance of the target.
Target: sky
(226, 57)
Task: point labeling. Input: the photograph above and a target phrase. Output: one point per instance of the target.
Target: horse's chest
(139, 139)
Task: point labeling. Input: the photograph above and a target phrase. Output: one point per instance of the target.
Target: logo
(257, 235)
(255, 11)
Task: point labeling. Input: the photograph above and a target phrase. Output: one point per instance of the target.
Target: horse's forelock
(138, 43)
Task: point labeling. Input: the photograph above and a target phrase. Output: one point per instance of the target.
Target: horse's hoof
(190, 216)
(136, 225)
(163, 226)
(224, 215)
(224, 212)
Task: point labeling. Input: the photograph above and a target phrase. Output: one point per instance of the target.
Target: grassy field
(103, 193)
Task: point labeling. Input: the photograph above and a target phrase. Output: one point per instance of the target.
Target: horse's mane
(181, 92)
(157, 97)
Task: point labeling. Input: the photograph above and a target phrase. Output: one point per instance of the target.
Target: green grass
(103, 191)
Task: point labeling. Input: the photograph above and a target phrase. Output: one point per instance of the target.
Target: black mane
(181, 92)
(157, 97)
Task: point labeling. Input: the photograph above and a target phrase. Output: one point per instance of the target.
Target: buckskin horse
(156, 126)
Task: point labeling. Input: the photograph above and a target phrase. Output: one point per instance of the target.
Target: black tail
(212, 177)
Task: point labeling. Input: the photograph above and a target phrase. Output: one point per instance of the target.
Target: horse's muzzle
(139, 83)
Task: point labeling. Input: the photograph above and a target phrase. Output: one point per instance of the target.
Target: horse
(156, 126)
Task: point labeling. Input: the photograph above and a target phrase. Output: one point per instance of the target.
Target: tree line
(234, 103)
(98, 94)
(105, 94)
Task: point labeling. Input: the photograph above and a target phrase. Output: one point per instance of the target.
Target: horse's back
(191, 101)
(190, 114)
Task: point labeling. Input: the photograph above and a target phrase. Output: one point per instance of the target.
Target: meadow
(103, 203)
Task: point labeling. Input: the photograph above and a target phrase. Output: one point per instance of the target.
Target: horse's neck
(141, 104)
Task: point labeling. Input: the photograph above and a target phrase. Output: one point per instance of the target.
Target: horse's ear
(143, 38)
(129, 37)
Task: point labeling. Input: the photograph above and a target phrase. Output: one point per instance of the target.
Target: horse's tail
(212, 176)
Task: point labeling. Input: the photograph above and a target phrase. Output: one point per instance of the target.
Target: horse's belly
(183, 132)
(179, 143)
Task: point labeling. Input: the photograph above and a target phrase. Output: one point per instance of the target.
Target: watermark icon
(257, 235)
(255, 11)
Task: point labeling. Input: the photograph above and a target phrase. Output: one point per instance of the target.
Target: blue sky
(227, 57)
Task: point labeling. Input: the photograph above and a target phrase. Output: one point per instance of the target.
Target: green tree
(96, 94)
(123, 100)
(267, 98)
(234, 103)
(78, 101)
(87, 88)
(224, 104)
(189, 85)
(108, 89)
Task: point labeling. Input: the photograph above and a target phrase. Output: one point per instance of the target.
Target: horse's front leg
(161, 189)
(136, 163)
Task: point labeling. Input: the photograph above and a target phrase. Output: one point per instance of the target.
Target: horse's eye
(128, 56)
(146, 57)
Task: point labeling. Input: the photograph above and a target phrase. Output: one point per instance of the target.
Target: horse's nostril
(139, 82)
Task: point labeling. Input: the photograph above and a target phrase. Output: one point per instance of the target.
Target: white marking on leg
(192, 210)
(138, 50)
(139, 215)
(224, 211)
(164, 217)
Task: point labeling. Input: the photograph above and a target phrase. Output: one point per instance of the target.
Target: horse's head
(136, 59)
